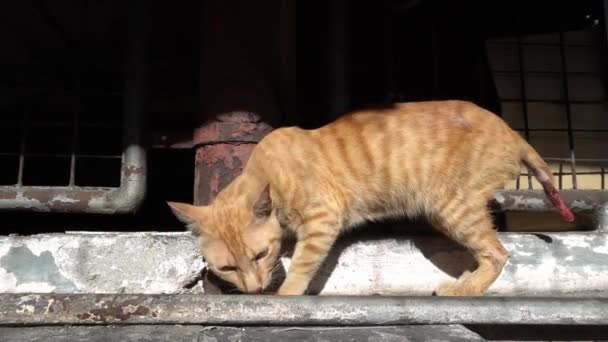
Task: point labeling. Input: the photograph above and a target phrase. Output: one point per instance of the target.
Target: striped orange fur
(440, 159)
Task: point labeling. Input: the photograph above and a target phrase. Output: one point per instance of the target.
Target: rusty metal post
(223, 149)
(241, 75)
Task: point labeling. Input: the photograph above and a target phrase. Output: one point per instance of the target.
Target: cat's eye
(261, 255)
(227, 268)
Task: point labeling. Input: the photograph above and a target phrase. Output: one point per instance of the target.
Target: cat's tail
(541, 171)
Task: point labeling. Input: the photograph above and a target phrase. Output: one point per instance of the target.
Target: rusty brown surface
(241, 91)
(50, 198)
(238, 132)
(116, 311)
(216, 166)
(84, 309)
(96, 309)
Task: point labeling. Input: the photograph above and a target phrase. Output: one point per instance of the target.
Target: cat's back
(432, 121)
(392, 156)
(367, 137)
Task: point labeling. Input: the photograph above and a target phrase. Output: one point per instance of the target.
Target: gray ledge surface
(572, 263)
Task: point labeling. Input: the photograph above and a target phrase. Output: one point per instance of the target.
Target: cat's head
(240, 240)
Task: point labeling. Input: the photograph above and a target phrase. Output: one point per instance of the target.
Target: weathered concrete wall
(99, 263)
(541, 264)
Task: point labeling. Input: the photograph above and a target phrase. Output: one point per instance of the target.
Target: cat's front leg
(314, 242)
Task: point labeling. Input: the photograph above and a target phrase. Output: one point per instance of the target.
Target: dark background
(349, 55)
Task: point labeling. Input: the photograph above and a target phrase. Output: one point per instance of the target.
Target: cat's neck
(248, 184)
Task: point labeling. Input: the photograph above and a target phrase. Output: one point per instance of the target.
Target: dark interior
(59, 71)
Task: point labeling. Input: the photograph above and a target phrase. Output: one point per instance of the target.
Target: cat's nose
(257, 290)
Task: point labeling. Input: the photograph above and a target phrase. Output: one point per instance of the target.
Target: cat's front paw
(290, 291)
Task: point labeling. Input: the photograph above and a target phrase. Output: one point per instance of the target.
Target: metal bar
(524, 101)
(580, 160)
(240, 310)
(522, 84)
(578, 173)
(23, 144)
(564, 70)
(75, 133)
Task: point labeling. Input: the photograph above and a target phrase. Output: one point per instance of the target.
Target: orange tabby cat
(440, 159)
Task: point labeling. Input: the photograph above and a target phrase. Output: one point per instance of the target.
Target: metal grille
(71, 139)
(542, 72)
(61, 139)
(561, 96)
(551, 88)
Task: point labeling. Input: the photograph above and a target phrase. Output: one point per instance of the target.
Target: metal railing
(69, 149)
(243, 310)
(593, 201)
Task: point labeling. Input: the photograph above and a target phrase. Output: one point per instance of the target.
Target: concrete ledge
(156, 263)
(100, 263)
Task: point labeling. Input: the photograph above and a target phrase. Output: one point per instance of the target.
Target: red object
(557, 201)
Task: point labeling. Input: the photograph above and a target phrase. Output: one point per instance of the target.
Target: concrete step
(566, 263)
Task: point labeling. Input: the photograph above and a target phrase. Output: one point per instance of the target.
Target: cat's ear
(188, 214)
(262, 207)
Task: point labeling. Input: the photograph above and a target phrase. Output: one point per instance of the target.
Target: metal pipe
(35, 309)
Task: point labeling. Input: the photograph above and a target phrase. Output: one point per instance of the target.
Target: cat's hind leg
(471, 226)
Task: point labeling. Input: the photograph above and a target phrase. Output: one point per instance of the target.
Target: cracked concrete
(156, 263)
(100, 263)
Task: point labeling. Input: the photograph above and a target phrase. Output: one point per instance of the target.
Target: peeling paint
(98, 263)
(409, 265)
(577, 241)
(28, 268)
(601, 249)
(25, 309)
